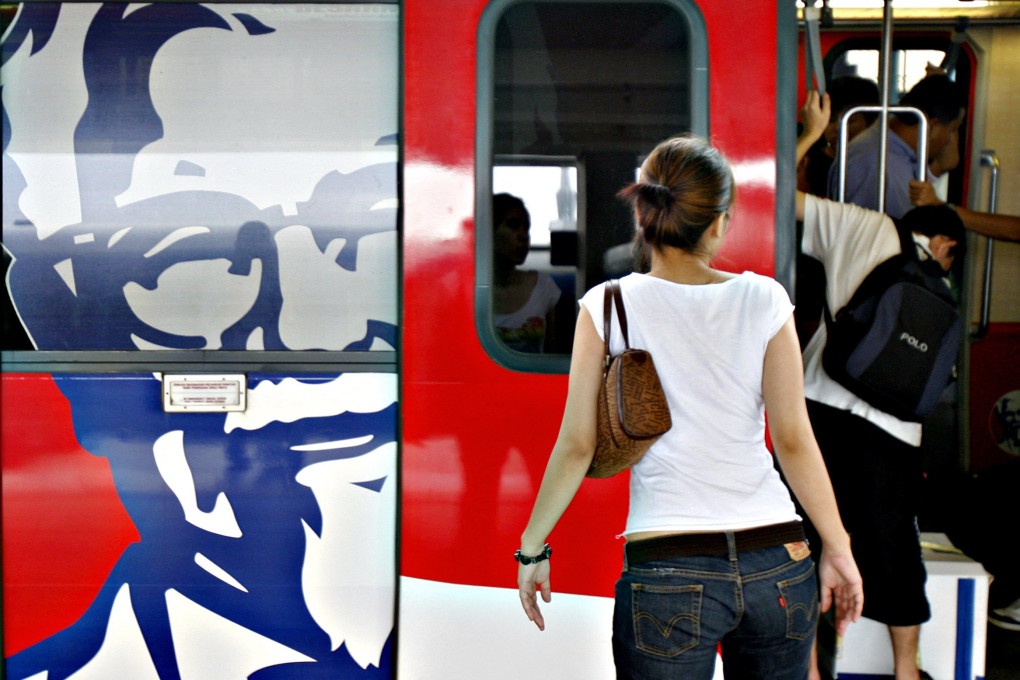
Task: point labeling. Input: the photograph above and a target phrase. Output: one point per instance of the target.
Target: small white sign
(203, 392)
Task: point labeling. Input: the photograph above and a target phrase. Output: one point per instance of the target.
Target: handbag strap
(612, 293)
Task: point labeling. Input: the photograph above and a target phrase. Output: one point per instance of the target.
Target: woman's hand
(531, 579)
(840, 582)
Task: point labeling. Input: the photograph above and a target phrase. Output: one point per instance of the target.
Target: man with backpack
(873, 456)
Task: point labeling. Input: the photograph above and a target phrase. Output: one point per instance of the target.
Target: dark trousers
(877, 481)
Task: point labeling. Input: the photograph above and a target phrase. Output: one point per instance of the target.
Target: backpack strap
(881, 276)
(878, 279)
(926, 272)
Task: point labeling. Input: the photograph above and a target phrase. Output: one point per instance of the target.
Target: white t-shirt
(524, 330)
(712, 470)
(850, 242)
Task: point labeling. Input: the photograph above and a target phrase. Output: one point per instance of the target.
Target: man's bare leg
(904, 643)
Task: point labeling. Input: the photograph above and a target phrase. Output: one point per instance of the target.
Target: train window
(571, 96)
(908, 66)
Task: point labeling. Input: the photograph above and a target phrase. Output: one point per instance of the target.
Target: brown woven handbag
(632, 409)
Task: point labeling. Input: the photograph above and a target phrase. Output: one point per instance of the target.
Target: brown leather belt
(689, 545)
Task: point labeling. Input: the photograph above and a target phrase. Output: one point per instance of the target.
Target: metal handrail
(922, 147)
(885, 66)
(991, 161)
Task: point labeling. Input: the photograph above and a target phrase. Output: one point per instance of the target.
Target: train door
(991, 432)
(970, 431)
(993, 371)
(199, 417)
(571, 94)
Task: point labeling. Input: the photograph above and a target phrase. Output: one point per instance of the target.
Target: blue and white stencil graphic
(267, 537)
(202, 177)
(185, 176)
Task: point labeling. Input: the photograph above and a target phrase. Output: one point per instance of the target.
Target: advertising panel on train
(217, 178)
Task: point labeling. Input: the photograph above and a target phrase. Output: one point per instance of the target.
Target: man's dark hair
(932, 220)
(938, 97)
(848, 91)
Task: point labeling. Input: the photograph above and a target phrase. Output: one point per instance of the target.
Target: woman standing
(715, 553)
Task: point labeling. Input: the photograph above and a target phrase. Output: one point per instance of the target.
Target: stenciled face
(180, 176)
(204, 178)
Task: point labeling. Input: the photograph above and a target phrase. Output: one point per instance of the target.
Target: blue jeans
(672, 615)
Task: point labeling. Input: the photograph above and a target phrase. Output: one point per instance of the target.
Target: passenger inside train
(845, 92)
(873, 456)
(943, 103)
(523, 300)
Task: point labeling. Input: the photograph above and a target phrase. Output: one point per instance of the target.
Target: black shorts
(877, 480)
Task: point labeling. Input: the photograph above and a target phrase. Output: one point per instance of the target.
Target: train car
(261, 414)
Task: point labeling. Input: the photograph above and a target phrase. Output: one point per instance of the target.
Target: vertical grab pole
(885, 60)
(988, 160)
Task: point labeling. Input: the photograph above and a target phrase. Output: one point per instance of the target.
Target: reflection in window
(571, 96)
(547, 186)
(551, 211)
(524, 299)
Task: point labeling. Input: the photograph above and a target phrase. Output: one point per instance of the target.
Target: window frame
(698, 77)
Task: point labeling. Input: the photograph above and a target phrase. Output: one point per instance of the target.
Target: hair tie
(658, 195)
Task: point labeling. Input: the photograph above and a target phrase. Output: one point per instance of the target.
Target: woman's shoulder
(756, 280)
(762, 286)
(594, 292)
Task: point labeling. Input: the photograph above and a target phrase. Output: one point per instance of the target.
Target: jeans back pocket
(800, 598)
(667, 619)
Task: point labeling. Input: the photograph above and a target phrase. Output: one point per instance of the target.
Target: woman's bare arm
(568, 462)
(802, 464)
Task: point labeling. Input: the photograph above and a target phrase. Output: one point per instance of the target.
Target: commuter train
(258, 420)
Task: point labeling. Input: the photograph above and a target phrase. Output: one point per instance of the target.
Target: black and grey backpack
(896, 341)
